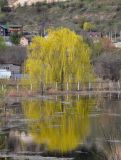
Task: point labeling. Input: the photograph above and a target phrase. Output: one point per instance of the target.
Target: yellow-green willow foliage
(87, 26)
(62, 56)
(60, 126)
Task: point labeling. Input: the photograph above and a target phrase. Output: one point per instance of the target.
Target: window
(7, 68)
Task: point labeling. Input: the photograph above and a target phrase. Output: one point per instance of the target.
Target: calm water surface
(69, 127)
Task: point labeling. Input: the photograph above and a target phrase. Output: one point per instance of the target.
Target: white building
(5, 74)
(117, 44)
(14, 69)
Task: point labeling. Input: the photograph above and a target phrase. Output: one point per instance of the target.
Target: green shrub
(2, 43)
(15, 38)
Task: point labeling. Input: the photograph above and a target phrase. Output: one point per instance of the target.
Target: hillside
(105, 14)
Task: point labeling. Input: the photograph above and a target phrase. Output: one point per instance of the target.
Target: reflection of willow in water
(61, 126)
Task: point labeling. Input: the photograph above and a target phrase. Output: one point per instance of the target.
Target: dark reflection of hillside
(106, 129)
(111, 130)
(59, 126)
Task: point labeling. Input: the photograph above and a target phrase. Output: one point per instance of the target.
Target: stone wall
(29, 2)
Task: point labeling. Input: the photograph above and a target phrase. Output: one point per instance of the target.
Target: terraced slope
(105, 14)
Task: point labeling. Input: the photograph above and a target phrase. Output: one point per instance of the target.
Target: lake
(60, 127)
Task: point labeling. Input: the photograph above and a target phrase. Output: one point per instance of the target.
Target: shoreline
(89, 94)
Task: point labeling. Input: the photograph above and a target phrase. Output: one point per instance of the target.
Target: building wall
(24, 41)
(117, 44)
(10, 67)
(4, 74)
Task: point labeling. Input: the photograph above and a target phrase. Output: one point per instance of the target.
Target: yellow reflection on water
(61, 126)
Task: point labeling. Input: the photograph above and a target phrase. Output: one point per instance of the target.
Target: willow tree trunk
(42, 88)
(62, 80)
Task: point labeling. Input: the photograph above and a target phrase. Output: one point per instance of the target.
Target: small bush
(15, 38)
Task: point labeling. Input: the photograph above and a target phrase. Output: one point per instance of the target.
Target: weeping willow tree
(60, 127)
(61, 57)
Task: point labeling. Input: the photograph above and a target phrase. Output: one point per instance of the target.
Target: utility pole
(111, 37)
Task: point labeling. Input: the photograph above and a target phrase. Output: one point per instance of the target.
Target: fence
(84, 87)
(91, 86)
